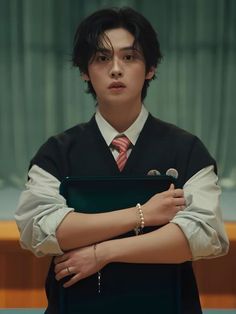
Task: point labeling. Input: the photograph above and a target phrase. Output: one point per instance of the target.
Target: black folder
(125, 288)
(103, 194)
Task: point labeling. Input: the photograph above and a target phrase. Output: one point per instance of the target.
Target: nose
(116, 70)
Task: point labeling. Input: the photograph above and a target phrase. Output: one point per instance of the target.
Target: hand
(162, 207)
(78, 264)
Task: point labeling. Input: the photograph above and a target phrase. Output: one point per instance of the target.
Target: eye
(102, 58)
(129, 57)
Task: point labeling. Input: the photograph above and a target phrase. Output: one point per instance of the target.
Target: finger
(179, 207)
(67, 271)
(60, 266)
(72, 280)
(61, 258)
(173, 192)
(178, 193)
(168, 192)
(180, 201)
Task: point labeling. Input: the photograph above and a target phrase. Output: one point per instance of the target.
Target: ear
(150, 73)
(85, 77)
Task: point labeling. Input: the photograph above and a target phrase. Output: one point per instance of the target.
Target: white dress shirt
(109, 133)
(41, 208)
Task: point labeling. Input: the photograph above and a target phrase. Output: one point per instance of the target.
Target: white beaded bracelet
(139, 228)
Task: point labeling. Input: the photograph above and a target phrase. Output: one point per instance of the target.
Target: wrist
(103, 253)
(141, 222)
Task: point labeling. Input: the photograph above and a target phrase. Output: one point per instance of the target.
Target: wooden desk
(22, 275)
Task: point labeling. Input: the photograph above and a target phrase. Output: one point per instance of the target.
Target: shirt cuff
(201, 220)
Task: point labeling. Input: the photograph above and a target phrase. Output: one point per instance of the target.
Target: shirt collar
(109, 133)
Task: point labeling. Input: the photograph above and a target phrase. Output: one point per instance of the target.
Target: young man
(117, 52)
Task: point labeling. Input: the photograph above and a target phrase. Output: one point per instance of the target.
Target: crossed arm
(193, 231)
(165, 245)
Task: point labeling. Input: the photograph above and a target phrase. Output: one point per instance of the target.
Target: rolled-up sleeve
(201, 221)
(40, 211)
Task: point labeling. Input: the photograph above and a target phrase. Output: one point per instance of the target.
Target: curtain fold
(41, 94)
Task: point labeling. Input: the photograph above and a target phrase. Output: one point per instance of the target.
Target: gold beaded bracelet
(140, 225)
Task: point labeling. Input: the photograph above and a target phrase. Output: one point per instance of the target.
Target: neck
(120, 117)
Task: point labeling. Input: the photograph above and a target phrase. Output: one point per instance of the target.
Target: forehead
(117, 39)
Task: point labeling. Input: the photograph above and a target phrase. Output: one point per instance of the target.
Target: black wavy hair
(90, 35)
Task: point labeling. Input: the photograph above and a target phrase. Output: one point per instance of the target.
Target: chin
(114, 99)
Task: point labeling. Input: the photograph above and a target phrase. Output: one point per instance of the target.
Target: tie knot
(122, 143)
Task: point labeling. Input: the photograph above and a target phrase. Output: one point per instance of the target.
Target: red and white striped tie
(121, 144)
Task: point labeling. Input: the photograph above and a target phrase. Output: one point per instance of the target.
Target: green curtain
(41, 94)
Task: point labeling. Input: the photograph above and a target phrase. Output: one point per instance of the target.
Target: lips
(116, 85)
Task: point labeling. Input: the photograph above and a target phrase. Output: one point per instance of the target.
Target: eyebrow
(106, 50)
